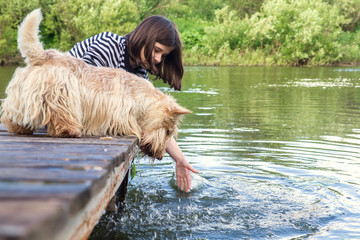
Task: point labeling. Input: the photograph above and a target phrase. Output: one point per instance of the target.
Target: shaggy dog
(73, 98)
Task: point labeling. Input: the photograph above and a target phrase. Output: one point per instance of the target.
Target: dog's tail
(28, 38)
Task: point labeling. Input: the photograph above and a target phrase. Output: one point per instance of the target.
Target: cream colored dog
(74, 99)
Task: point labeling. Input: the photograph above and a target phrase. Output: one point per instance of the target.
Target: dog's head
(160, 125)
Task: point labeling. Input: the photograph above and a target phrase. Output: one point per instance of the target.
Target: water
(278, 155)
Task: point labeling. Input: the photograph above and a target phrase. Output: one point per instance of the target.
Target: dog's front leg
(16, 128)
(63, 126)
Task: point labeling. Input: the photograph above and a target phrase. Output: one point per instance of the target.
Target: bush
(71, 21)
(11, 13)
(287, 32)
(300, 31)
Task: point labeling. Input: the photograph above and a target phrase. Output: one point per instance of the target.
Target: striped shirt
(106, 50)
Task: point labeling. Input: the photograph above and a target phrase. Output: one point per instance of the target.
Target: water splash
(197, 183)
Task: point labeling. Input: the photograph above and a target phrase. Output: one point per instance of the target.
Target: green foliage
(299, 31)
(133, 170)
(350, 49)
(214, 32)
(70, 21)
(193, 9)
(192, 32)
(350, 9)
(245, 7)
(283, 32)
(11, 13)
(228, 30)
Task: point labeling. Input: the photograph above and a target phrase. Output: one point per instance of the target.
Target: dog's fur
(73, 98)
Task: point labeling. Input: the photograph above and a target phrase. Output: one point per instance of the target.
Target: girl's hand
(183, 168)
(183, 175)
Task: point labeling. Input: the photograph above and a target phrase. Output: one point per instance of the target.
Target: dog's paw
(25, 131)
(66, 133)
(18, 129)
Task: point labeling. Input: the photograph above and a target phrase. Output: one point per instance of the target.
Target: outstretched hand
(183, 175)
(183, 168)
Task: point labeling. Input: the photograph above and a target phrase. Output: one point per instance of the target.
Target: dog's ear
(179, 110)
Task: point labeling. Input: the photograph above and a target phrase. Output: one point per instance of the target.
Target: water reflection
(5, 76)
(279, 149)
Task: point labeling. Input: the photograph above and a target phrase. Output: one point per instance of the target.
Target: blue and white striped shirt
(106, 50)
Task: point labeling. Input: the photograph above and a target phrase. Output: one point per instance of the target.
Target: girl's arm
(183, 168)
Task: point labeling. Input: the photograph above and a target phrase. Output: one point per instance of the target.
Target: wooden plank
(63, 151)
(31, 219)
(87, 219)
(81, 157)
(67, 163)
(39, 190)
(42, 138)
(76, 195)
(60, 185)
(50, 175)
(62, 148)
(47, 140)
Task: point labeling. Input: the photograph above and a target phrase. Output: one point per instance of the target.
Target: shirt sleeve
(100, 50)
(106, 50)
(142, 73)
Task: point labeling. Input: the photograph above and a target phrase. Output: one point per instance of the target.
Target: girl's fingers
(193, 169)
(178, 183)
(183, 184)
(188, 187)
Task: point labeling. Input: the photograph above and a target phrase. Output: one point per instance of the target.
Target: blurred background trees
(214, 32)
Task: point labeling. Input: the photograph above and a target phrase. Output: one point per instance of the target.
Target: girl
(155, 47)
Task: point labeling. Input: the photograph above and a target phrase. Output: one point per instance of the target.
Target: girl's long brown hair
(158, 29)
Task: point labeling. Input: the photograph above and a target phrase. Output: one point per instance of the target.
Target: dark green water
(278, 150)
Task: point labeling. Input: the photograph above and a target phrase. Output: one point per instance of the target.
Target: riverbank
(236, 60)
(253, 60)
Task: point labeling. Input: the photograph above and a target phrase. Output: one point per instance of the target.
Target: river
(278, 150)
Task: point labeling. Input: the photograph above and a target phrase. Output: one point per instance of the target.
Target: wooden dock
(58, 188)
